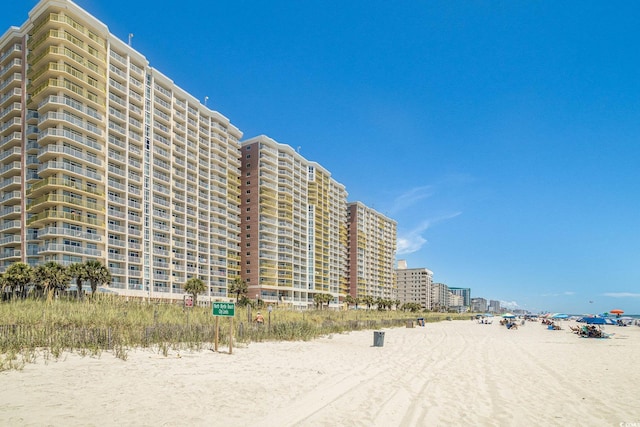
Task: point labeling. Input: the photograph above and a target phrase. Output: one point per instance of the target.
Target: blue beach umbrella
(560, 316)
(597, 321)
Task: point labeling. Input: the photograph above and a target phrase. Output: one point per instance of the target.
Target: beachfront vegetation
(195, 286)
(32, 327)
(51, 279)
(238, 288)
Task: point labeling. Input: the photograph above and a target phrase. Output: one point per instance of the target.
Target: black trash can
(378, 338)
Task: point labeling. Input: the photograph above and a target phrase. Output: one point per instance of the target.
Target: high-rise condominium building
(103, 157)
(465, 293)
(372, 249)
(494, 306)
(478, 305)
(414, 285)
(439, 297)
(293, 220)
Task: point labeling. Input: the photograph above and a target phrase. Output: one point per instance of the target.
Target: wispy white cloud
(512, 305)
(413, 240)
(621, 295)
(411, 197)
(560, 294)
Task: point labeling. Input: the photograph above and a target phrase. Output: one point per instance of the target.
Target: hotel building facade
(440, 297)
(414, 285)
(293, 222)
(465, 294)
(372, 248)
(103, 157)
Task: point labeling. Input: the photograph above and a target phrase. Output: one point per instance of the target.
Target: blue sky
(502, 136)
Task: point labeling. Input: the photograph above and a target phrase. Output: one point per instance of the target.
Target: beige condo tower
(372, 249)
(103, 157)
(293, 226)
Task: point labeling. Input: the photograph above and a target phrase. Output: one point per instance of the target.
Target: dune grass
(32, 328)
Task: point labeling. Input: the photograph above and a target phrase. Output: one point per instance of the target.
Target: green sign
(227, 309)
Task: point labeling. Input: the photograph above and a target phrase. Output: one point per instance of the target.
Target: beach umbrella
(560, 316)
(508, 316)
(597, 321)
(616, 311)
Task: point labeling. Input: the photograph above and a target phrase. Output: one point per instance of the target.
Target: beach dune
(448, 373)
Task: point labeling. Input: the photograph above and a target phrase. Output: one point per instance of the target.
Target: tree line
(382, 303)
(51, 279)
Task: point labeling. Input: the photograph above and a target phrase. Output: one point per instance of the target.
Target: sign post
(224, 309)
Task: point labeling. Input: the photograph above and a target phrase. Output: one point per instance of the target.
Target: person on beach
(259, 319)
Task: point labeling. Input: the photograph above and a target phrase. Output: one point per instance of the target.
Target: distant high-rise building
(105, 158)
(372, 248)
(494, 306)
(456, 302)
(478, 305)
(465, 293)
(439, 297)
(414, 285)
(293, 226)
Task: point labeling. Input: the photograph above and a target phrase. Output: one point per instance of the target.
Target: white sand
(458, 373)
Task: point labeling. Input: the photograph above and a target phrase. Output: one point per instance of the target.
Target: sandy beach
(444, 374)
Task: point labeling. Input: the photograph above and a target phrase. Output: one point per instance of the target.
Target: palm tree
(58, 277)
(97, 274)
(41, 279)
(328, 298)
(349, 300)
(195, 286)
(321, 299)
(79, 272)
(4, 283)
(369, 300)
(318, 299)
(238, 287)
(18, 275)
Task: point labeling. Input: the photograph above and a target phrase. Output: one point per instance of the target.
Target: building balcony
(51, 183)
(51, 248)
(68, 232)
(47, 216)
(10, 254)
(50, 200)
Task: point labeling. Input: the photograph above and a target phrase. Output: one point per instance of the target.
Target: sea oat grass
(110, 323)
